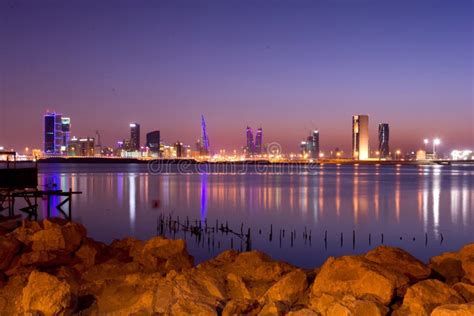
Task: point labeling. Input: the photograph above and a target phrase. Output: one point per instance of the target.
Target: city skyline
(289, 73)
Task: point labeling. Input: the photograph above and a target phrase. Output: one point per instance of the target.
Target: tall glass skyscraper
(384, 133)
(360, 137)
(250, 148)
(258, 141)
(153, 141)
(313, 145)
(134, 136)
(53, 133)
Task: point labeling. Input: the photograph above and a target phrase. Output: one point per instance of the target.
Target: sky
(288, 66)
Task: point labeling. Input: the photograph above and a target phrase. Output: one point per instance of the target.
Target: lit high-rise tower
(204, 138)
(134, 136)
(250, 148)
(384, 133)
(66, 129)
(360, 137)
(53, 133)
(314, 148)
(258, 141)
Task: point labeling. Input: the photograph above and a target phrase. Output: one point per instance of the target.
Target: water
(402, 202)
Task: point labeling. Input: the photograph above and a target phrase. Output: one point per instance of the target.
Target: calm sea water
(407, 204)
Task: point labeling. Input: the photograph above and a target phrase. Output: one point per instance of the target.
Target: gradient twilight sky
(286, 65)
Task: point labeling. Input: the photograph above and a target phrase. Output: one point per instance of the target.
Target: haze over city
(288, 67)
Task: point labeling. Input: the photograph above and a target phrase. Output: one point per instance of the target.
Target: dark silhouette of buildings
(153, 141)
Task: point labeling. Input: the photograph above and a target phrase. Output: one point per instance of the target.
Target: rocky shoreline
(53, 268)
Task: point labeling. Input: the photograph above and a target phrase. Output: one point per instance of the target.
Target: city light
(461, 154)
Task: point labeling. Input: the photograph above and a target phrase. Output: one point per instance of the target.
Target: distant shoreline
(105, 160)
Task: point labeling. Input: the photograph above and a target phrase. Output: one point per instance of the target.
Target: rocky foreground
(52, 268)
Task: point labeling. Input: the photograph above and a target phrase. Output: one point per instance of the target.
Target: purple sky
(287, 66)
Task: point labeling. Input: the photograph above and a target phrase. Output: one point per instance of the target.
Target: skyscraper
(204, 137)
(384, 133)
(134, 136)
(258, 141)
(250, 148)
(66, 130)
(53, 134)
(153, 141)
(178, 146)
(312, 145)
(360, 137)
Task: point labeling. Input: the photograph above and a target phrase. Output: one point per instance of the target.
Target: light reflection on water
(398, 201)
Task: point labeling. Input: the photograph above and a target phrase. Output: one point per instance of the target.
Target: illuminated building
(258, 141)
(134, 137)
(360, 137)
(304, 148)
(53, 134)
(250, 148)
(312, 145)
(204, 150)
(384, 132)
(66, 129)
(178, 146)
(83, 147)
(153, 141)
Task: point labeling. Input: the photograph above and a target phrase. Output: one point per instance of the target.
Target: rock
(273, 309)
(46, 258)
(467, 262)
(46, 294)
(237, 288)
(183, 308)
(449, 266)
(288, 289)
(424, 296)
(25, 232)
(163, 253)
(9, 247)
(11, 294)
(125, 300)
(454, 310)
(90, 253)
(55, 237)
(359, 277)
(238, 307)
(398, 260)
(189, 286)
(466, 291)
(329, 305)
(303, 312)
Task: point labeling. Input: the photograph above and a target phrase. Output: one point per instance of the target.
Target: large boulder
(359, 277)
(125, 299)
(241, 307)
(455, 266)
(90, 253)
(400, 261)
(9, 247)
(189, 286)
(342, 305)
(467, 262)
(163, 254)
(57, 237)
(46, 294)
(43, 258)
(454, 310)
(424, 296)
(288, 289)
(237, 288)
(25, 232)
(466, 291)
(275, 308)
